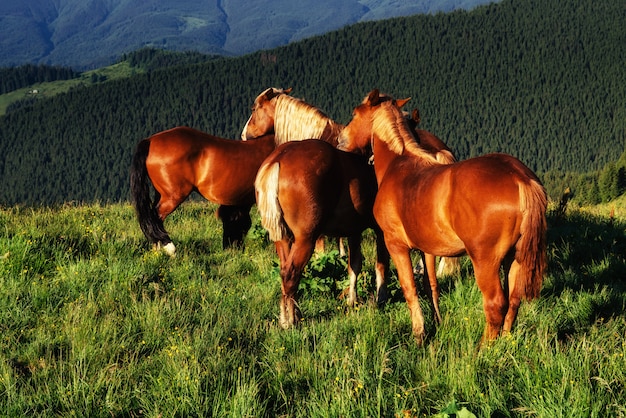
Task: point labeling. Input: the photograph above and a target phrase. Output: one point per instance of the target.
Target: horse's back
(183, 159)
(445, 207)
(322, 186)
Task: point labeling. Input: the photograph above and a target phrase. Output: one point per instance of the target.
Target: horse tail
(266, 186)
(149, 221)
(530, 250)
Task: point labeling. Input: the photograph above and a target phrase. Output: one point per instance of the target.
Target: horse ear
(415, 115)
(288, 90)
(269, 93)
(402, 102)
(373, 98)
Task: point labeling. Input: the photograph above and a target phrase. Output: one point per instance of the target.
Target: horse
(290, 119)
(491, 207)
(310, 188)
(448, 266)
(181, 160)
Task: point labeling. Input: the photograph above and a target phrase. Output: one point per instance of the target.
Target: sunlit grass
(93, 322)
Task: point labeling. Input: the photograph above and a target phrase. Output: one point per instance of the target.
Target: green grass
(49, 89)
(94, 323)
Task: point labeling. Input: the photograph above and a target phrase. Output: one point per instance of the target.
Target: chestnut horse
(289, 118)
(181, 160)
(309, 188)
(493, 208)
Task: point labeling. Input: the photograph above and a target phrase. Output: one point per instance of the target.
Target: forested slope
(543, 80)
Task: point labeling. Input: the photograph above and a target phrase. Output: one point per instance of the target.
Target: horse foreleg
(355, 264)
(382, 266)
(236, 223)
(431, 286)
(291, 273)
(402, 259)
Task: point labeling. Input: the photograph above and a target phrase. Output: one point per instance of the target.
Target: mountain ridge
(87, 34)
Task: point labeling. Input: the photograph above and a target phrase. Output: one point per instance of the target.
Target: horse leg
(355, 263)
(495, 304)
(402, 259)
(236, 223)
(342, 250)
(291, 273)
(431, 286)
(164, 207)
(512, 272)
(282, 249)
(320, 245)
(382, 266)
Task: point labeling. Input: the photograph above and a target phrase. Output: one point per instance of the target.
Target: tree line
(26, 75)
(541, 80)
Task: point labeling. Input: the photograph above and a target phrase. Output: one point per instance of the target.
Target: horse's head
(261, 122)
(357, 135)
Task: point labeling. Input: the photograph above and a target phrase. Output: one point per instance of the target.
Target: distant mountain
(88, 34)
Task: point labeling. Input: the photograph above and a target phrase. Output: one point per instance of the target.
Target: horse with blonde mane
(307, 189)
(289, 119)
(492, 208)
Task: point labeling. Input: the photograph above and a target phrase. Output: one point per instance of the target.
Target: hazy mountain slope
(92, 33)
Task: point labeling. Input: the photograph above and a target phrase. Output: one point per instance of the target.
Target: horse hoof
(168, 248)
(419, 338)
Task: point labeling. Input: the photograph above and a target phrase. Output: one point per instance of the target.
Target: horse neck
(383, 158)
(392, 139)
(331, 132)
(296, 120)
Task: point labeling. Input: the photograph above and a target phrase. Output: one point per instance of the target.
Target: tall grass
(95, 323)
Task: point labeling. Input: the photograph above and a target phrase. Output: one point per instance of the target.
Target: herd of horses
(312, 177)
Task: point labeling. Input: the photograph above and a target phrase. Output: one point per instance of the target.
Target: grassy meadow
(94, 323)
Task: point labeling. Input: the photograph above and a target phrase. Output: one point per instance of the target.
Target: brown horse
(307, 189)
(182, 160)
(289, 118)
(491, 207)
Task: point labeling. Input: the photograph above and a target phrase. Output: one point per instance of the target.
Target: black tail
(149, 221)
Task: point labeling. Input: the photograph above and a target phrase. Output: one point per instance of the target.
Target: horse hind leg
(291, 273)
(495, 303)
(355, 264)
(512, 270)
(164, 207)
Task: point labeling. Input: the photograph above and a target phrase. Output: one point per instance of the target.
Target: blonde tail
(266, 185)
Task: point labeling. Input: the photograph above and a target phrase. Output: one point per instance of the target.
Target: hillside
(86, 34)
(541, 80)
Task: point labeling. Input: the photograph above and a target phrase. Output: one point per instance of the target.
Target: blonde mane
(295, 120)
(391, 127)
